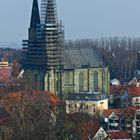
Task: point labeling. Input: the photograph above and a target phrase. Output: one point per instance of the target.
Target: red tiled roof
(108, 112)
(129, 111)
(118, 134)
(116, 89)
(85, 129)
(134, 91)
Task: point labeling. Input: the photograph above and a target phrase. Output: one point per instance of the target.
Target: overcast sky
(82, 18)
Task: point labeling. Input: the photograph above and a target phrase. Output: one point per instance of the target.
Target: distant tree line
(119, 54)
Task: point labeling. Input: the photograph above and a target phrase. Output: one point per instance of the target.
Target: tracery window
(81, 82)
(95, 81)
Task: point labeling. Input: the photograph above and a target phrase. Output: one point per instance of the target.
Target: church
(49, 65)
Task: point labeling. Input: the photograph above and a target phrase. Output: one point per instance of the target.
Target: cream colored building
(4, 64)
(90, 102)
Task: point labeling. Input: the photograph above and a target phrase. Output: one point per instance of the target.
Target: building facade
(136, 128)
(49, 65)
(92, 103)
(78, 80)
(42, 50)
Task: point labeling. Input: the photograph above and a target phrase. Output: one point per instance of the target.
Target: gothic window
(67, 78)
(81, 82)
(95, 81)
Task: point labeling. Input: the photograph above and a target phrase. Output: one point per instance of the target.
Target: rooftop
(87, 96)
(119, 89)
(118, 134)
(134, 91)
(77, 57)
(86, 129)
(108, 112)
(129, 111)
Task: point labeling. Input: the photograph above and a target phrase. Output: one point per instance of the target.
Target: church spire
(51, 16)
(49, 12)
(35, 17)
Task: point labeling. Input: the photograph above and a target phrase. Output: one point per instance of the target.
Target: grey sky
(82, 18)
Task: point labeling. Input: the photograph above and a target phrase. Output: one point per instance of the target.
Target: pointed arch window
(81, 81)
(67, 78)
(95, 81)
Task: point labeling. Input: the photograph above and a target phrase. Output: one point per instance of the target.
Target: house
(89, 102)
(114, 98)
(136, 128)
(112, 118)
(124, 96)
(5, 70)
(91, 131)
(120, 119)
(119, 135)
(100, 135)
(135, 95)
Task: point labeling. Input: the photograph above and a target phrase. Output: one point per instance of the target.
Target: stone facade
(82, 69)
(34, 80)
(78, 80)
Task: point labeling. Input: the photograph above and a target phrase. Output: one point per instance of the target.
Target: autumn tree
(33, 115)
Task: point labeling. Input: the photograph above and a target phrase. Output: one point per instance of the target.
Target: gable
(101, 133)
(113, 115)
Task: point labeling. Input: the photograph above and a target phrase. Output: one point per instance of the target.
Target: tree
(33, 115)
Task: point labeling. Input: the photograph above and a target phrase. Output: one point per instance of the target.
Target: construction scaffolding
(53, 33)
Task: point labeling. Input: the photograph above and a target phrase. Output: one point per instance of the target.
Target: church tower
(34, 59)
(42, 52)
(53, 33)
(54, 44)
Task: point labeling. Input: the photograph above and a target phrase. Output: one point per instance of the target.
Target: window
(81, 106)
(69, 105)
(67, 78)
(138, 117)
(95, 81)
(137, 99)
(138, 129)
(137, 123)
(81, 82)
(87, 107)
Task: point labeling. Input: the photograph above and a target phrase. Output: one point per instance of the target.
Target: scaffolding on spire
(53, 33)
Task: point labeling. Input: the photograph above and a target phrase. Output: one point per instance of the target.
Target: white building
(89, 102)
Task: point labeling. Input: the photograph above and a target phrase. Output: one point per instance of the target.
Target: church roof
(80, 57)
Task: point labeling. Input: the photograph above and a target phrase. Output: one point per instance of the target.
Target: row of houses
(118, 113)
(123, 120)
